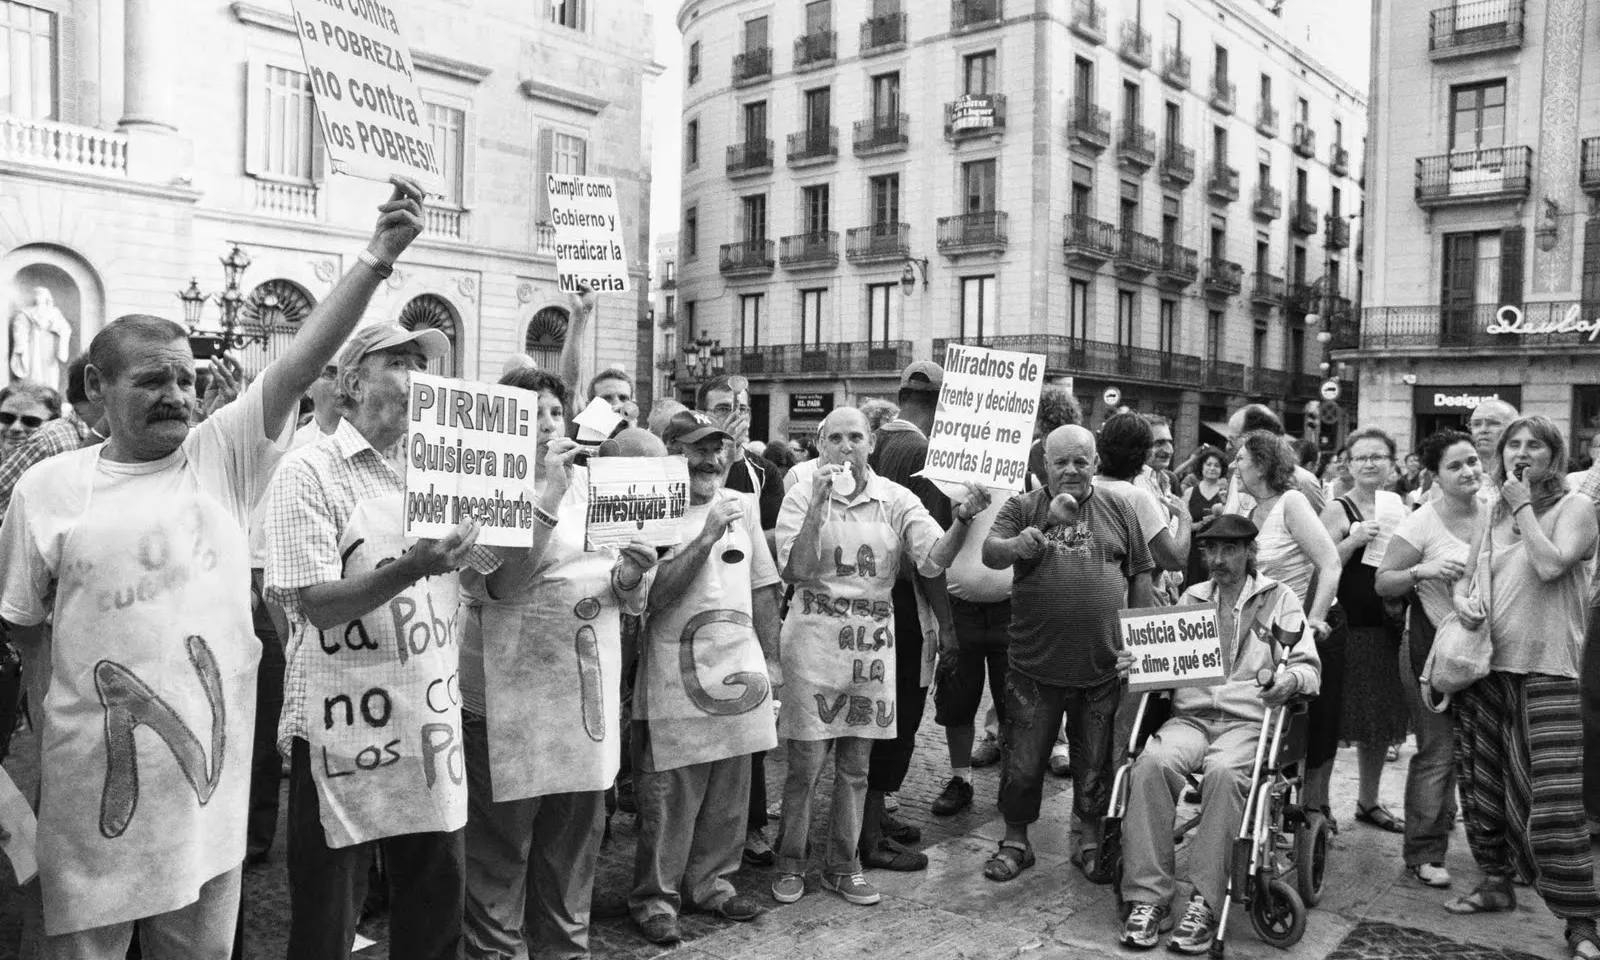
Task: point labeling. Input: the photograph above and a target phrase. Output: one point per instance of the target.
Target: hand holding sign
(432, 558)
(559, 457)
(976, 502)
(399, 220)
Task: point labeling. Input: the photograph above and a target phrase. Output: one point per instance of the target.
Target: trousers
(1033, 715)
(851, 756)
(891, 759)
(203, 930)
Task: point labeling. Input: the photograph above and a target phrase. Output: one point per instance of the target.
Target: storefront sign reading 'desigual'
(1510, 320)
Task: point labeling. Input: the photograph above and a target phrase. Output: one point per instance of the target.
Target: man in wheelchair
(1213, 731)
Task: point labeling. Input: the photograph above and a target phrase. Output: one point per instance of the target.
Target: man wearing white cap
(371, 715)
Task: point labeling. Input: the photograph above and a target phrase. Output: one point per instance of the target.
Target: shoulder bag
(1461, 657)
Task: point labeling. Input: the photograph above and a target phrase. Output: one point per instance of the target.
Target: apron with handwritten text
(147, 726)
(838, 639)
(385, 721)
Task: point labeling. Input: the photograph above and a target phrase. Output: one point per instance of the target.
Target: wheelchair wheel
(1278, 914)
(1311, 859)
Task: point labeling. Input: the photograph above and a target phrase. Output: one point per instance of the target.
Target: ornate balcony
(1222, 184)
(1136, 146)
(1072, 356)
(1089, 242)
(1558, 327)
(63, 146)
(887, 134)
(1088, 20)
(299, 201)
(746, 258)
(1474, 176)
(1269, 202)
(883, 34)
(1303, 218)
(1177, 164)
(878, 243)
(815, 49)
(975, 115)
(749, 158)
(1224, 96)
(1267, 120)
(1175, 68)
(811, 147)
(1338, 234)
(1266, 290)
(1137, 255)
(1305, 140)
(1089, 126)
(802, 361)
(1224, 376)
(1179, 266)
(752, 66)
(1302, 297)
(1222, 277)
(437, 221)
(809, 250)
(1135, 47)
(973, 233)
(1266, 382)
(1338, 160)
(966, 15)
(1465, 29)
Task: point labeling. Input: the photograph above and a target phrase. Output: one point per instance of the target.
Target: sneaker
(738, 908)
(788, 888)
(661, 928)
(986, 753)
(954, 798)
(757, 851)
(891, 802)
(1431, 874)
(853, 887)
(1144, 925)
(1196, 930)
(1060, 764)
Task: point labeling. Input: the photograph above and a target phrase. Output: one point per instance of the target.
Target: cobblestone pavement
(1386, 941)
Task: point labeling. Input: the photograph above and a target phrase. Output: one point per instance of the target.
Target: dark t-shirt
(1064, 605)
(898, 455)
(742, 478)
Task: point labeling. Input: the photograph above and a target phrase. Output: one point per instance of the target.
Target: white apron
(838, 640)
(148, 723)
(385, 722)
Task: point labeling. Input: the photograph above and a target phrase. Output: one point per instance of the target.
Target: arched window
(434, 312)
(276, 308)
(547, 334)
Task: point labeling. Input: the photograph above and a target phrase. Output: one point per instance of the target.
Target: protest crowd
(228, 566)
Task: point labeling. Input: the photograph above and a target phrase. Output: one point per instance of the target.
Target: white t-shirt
(1427, 533)
(967, 578)
(1152, 515)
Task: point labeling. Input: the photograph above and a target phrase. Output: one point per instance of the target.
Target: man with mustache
(1212, 731)
(703, 698)
(137, 548)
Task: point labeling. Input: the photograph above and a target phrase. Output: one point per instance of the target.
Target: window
(755, 34)
(1480, 270)
(670, 274)
(755, 121)
(753, 217)
(814, 208)
(691, 233)
(1263, 254)
(978, 73)
(811, 317)
(559, 153)
(819, 16)
(1302, 111)
(447, 126)
(27, 61)
(1478, 116)
(1083, 79)
(1127, 318)
(1078, 310)
(1219, 237)
(1128, 212)
(1219, 145)
(1082, 200)
(287, 137)
(1338, 133)
(1221, 68)
(1132, 107)
(1335, 203)
(1264, 174)
(1258, 346)
(1174, 34)
(1169, 220)
(886, 98)
(1301, 185)
(750, 320)
(1167, 329)
(1294, 350)
(671, 304)
(977, 186)
(694, 63)
(1266, 90)
(1298, 267)
(1174, 129)
(688, 321)
(818, 109)
(1214, 331)
(881, 326)
(885, 194)
(565, 13)
(978, 308)
(691, 145)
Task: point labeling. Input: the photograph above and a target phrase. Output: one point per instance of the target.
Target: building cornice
(24, 171)
(254, 15)
(562, 97)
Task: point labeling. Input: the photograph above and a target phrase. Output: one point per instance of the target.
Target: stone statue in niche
(41, 340)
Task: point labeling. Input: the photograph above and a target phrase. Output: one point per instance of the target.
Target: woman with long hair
(1372, 707)
(1204, 500)
(1519, 738)
(1428, 554)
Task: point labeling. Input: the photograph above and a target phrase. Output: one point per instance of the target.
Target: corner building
(1157, 196)
(1486, 246)
(141, 139)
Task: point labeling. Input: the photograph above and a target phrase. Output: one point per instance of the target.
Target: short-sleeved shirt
(1064, 605)
(901, 509)
(760, 478)
(1152, 515)
(1427, 533)
(900, 453)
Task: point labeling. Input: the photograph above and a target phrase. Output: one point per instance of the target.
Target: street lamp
(704, 358)
(908, 276)
(230, 302)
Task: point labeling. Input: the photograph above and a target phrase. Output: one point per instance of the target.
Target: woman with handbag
(1428, 554)
(1519, 740)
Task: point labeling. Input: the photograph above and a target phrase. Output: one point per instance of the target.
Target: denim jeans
(1034, 712)
(1431, 778)
(851, 756)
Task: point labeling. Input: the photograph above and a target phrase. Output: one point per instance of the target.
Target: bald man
(1077, 558)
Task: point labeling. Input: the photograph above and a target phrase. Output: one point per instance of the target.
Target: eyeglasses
(1371, 458)
(32, 423)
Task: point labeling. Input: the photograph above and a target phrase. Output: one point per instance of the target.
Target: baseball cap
(691, 426)
(922, 375)
(386, 336)
(1229, 526)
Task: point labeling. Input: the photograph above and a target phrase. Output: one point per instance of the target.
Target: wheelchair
(1280, 858)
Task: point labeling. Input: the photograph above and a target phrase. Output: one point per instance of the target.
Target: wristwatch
(383, 270)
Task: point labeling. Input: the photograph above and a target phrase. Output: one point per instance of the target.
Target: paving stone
(1386, 941)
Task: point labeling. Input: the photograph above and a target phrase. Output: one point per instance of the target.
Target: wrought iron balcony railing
(882, 34)
(1175, 68)
(1136, 145)
(1135, 46)
(752, 156)
(1305, 140)
(752, 65)
(1267, 120)
(1089, 20)
(878, 242)
(1223, 276)
(809, 249)
(1269, 202)
(746, 256)
(1089, 242)
(882, 134)
(1224, 96)
(1223, 183)
(815, 49)
(975, 14)
(968, 232)
(1471, 176)
(1463, 29)
(1089, 125)
(814, 146)
(1177, 164)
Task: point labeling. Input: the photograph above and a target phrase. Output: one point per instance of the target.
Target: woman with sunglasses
(25, 406)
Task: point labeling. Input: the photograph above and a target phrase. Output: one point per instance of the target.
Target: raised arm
(575, 360)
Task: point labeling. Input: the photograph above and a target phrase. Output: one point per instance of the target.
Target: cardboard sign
(21, 842)
(365, 85)
(1174, 647)
(636, 500)
(469, 453)
(984, 424)
(589, 239)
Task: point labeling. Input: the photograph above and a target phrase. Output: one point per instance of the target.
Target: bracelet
(383, 270)
(545, 517)
(1525, 503)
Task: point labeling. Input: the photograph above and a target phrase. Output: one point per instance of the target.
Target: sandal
(1379, 816)
(1491, 896)
(1088, 862)
(1008, 862)
(1583, 942)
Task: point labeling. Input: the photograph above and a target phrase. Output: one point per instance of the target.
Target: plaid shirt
(58, 436)
(311, 500)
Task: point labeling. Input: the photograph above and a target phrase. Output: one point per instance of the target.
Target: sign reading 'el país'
(589, 244)
(1174, 647)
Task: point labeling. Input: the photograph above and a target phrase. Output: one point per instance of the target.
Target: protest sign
(21, 841)
(469, 453)
(365, 85)
(984, 424)
(636, 500)
(1174, 647)
(589, 240)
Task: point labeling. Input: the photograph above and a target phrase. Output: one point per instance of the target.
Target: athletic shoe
(986, 753)
(1144, 925)
(853, 887)
(1196, 930)
(954, 798)
(788, 888)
